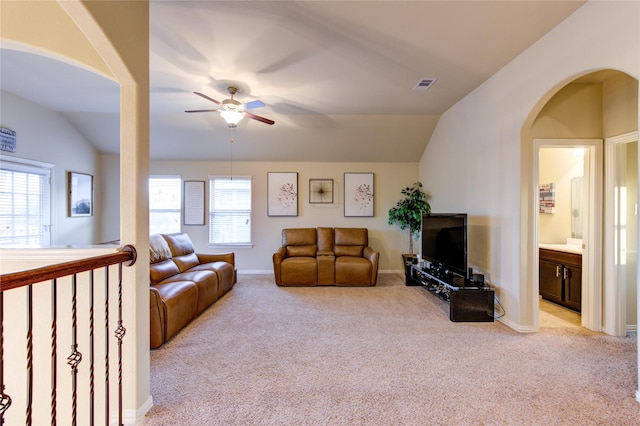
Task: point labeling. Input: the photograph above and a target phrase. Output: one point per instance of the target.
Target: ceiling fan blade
(253, 104)
(208, 98)
(258, 118)
(202, 110)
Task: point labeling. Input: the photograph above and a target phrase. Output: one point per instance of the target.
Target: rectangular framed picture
(193, 202)
(320, 191)
(80, 189)
(358, 194)
(282, 194)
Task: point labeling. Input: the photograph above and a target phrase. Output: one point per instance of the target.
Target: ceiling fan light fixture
(231, 116)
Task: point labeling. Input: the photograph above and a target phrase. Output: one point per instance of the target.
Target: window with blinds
(229, 210)
(25, 204)
(165, 203)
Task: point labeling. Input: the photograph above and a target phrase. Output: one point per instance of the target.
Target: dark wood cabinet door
(573, 287)
(551, 281)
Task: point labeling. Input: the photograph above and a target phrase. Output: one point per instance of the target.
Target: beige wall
(51, 140)
(389, 180)
(479, 158)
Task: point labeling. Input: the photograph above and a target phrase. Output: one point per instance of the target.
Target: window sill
(231, 245)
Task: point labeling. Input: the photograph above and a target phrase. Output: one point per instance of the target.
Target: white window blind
(25, 205)
(165, 201)
(229, 210)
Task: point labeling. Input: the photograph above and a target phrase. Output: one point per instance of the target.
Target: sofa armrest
(222, 257)
(156, 319)
(325, 253)
(374, 258)
(278, 257)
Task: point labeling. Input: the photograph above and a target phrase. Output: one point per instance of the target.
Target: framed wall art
(358, 194)
(282, 194)
(80, 188)
(547, 198)
(320, 191)
(193, 202)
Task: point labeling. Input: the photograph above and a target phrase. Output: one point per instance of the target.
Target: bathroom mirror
(576, 207)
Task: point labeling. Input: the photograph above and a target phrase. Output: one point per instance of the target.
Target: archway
(594, 105)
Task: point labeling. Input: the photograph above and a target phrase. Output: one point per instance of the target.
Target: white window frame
(176, 210)
(213, 210)
(42, 168)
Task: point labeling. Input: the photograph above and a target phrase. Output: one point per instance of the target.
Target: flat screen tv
(444, 241)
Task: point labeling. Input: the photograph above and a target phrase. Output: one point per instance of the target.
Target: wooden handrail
(23, 278)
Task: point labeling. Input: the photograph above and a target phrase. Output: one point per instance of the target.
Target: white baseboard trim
(632, 328)
(134, 417)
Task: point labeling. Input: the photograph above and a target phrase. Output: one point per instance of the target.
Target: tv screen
(444, 241)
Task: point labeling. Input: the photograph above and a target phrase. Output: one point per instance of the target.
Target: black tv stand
(468, 302)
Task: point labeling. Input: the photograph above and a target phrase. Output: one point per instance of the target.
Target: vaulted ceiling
(336, 77)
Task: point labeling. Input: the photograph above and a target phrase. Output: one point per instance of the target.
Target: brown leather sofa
(183, 283)
(325, 256)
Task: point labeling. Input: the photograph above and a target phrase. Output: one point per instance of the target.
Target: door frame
(592, 300)
(615, 318)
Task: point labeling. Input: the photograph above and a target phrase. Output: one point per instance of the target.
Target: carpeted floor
(384, 355)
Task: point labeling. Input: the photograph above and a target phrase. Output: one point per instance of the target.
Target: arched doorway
(596, 105)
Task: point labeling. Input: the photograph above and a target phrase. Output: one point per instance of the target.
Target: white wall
(389, 180)
(47, 136)
(473, 160)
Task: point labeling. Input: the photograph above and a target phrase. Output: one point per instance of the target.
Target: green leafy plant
(408, 211)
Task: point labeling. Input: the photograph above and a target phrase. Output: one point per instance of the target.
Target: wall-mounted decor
(548, 198)
(358, 194)
(321, 191)
(80, 189)
(282, 190)
(193, 202)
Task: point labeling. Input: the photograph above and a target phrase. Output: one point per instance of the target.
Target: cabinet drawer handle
(557, 271)
(566, 273)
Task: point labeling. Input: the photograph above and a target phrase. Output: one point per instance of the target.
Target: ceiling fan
(233, 111)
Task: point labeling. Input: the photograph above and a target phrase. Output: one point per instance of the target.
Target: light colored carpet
(384, 355)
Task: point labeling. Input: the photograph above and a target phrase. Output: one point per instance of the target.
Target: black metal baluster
(74, 359)
(54, 351)
(106, 345)
(29, 355)
(120, 332)
(5, 400)
(91, 344)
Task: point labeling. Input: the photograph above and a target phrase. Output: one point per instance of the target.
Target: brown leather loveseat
(325, 256)
(183, 283)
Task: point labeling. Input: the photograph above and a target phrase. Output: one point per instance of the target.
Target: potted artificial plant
(408, 214)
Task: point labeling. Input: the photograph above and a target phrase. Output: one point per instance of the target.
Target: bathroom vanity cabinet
(560, 277)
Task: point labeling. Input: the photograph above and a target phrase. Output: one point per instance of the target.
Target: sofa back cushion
(182, 250)
(350, 241)
(325, 240)
(161, 270)
(302, 251)
(300, 242)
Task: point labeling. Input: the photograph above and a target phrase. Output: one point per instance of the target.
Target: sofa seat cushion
(207, 284)
(225, 271)
(180, 305)
(351, 270)
(301, 271)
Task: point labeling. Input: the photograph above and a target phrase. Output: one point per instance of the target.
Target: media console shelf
(467, 303)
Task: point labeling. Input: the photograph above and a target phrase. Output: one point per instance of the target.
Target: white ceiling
(337, 77)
